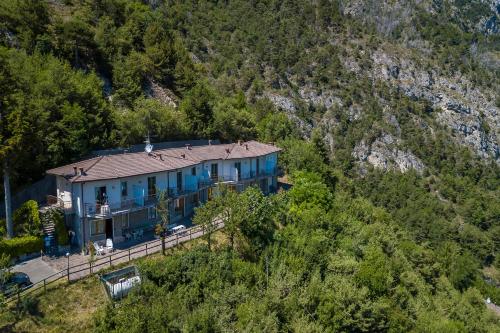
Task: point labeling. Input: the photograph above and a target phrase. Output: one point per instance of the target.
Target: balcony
(107, 210)
(55, 202)
(176, 192)
(231, 179)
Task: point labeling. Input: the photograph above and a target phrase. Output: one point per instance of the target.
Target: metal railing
(243, 178)
(54, 201)
(107, 209)
(80, 271)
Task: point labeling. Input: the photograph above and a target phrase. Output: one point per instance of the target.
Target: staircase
(50, 241)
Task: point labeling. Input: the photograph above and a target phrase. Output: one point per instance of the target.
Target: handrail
(108, 259)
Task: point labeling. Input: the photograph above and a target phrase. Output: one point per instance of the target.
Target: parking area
(36, 268)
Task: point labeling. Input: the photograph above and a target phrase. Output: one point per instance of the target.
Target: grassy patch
(66, 308)
(70, 307)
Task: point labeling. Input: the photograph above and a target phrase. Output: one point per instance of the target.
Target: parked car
(15, 281)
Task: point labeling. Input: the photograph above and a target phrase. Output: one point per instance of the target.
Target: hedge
(18, 246)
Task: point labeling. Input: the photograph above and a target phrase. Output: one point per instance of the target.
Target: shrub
(18, 246)
(56, 217)
(61, 231)
(27, 219)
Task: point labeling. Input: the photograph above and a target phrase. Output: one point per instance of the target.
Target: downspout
(82, 208)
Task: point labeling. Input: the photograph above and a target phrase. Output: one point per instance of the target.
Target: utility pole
(8, 211)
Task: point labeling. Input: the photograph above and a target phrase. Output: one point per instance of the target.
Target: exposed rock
(325, 99)
(384, 154)
(164, 95)
(463, 107)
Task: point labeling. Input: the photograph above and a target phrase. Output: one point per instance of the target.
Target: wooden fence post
(110, 264)
(146, 248)
(129, 254)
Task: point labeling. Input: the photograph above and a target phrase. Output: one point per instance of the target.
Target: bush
(56, 216)
(27, 219)
(18, 246)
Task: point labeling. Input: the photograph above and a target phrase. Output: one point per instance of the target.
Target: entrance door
(109, 228)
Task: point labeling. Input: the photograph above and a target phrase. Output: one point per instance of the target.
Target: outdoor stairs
(50, 241)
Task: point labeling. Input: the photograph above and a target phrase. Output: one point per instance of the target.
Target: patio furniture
(140, 233)
(109, 245)
(128, 236)
(99, 250)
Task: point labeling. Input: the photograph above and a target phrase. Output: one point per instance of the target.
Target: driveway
(37, 269)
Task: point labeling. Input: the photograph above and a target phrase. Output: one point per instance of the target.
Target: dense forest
(351, 247)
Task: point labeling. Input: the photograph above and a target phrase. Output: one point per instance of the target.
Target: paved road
(37, 269)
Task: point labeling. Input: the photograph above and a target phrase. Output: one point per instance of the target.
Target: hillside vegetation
(388, 115)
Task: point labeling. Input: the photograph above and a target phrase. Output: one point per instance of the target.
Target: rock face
(384, 154)
(470, 110)
(164, 95)
(462, 107)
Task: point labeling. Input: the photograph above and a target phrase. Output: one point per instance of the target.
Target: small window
(151, 186)
(179, 181)
(152, 213)
(97, 227)
(124, 189)
(214, 171)
(193, 171)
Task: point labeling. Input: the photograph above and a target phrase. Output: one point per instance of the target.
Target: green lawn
(69, 307)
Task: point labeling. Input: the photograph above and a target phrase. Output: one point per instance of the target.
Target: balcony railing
(251, 176)
(176, 192)
(106, 210)
(53, 201)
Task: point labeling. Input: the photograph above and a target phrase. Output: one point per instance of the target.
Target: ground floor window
(179, 206)
(194, 199)
(152, 213)
(97, 227)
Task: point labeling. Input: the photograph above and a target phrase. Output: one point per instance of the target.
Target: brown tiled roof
(126, 165)
(222, 151)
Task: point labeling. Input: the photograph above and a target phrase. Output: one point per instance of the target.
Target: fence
(77, 272)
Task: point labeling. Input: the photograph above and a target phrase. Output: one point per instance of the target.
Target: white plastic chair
(98, 249)
(109, 245)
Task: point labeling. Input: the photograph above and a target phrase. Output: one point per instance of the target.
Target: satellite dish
(148, 148)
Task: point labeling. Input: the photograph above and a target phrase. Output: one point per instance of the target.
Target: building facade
(114, 196)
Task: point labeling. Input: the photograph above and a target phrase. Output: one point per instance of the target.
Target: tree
(206, 215)
(12, 128)
(197, 107)
(163, 209)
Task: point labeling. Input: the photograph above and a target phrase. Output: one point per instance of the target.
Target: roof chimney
(246, 146)
(81, 172)
(183, 155)
(75, 172)
(188, 146)
(239, 142)
(227, 150)
(209, 142)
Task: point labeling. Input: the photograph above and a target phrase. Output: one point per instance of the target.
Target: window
(237, 166)
(179, 206)
(100, 195)
(214, 174)
(258, 167)
(152, 213)
(151, 186)
(97, 227)
(124, 189)
(193, 171)
(179, 181)
(194, 199)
